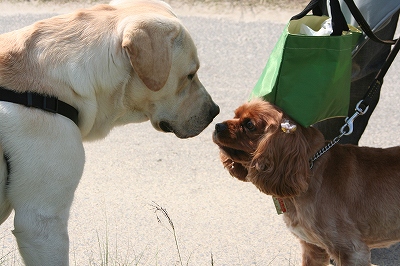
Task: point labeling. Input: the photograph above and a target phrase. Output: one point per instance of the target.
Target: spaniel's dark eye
(191, 76)
(250, 125)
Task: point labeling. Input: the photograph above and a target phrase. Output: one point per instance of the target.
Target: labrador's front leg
(42, 238)
(46, 167)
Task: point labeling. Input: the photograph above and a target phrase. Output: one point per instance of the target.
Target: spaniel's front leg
(313, 255)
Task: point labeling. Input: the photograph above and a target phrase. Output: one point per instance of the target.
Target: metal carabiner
(359, 110)
(349, 122)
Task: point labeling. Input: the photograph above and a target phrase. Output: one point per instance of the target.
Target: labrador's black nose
(220, 127)
(214, 111)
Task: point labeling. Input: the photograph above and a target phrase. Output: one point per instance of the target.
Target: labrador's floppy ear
(148, 43)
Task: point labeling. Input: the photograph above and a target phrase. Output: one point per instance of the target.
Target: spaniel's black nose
(220, 127)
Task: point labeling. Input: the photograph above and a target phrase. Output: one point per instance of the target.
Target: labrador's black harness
(47, 103)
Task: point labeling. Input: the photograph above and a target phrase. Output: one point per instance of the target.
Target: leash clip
(349, 121)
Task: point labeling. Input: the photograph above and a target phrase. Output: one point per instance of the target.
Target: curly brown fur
(346, 204)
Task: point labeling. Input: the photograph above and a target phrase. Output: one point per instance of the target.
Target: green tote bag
(309, 77)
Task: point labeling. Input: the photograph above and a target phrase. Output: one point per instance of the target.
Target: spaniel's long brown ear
(280, 166)
(148, 43)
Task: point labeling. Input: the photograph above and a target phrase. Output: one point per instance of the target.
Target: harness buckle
(50, 104)
(29, 97)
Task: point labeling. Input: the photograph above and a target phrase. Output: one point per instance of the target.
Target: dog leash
(363, 105)
(36, 100)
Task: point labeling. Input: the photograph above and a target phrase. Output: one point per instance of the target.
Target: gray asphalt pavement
(218, 219)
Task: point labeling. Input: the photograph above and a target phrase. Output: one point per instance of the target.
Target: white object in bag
(326, 29)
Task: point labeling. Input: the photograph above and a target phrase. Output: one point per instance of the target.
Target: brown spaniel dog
(347, 203)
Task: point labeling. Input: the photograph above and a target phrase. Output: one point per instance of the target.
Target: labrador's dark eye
(191, 76)
(250, 125)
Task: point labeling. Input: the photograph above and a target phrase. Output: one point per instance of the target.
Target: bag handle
(363, 24)
(339, 23)
(314, 6)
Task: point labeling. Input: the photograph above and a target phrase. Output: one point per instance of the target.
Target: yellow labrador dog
(74, 77)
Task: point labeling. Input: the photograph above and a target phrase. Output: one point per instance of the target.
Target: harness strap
(8, 168)
(36, 100)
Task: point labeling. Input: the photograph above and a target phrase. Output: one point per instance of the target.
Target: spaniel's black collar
(36, 100)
